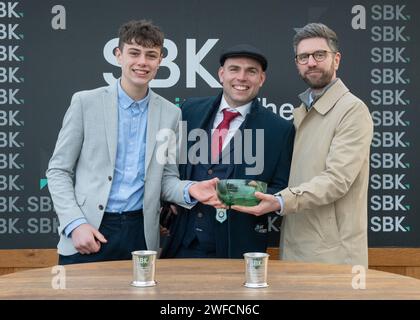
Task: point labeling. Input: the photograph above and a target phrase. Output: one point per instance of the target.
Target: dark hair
(316, 30)
(143, 32)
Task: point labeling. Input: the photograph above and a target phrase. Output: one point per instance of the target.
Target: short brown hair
(316, 30)
(143, 32)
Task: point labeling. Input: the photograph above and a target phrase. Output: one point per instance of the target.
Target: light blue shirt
(127, 188)
(311, 99)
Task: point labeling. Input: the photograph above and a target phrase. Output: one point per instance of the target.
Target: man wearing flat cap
(234, 128)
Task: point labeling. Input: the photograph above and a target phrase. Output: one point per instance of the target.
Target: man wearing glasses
(324, 208)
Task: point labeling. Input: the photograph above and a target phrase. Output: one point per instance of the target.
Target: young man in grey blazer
(105, 176)
(325, 205)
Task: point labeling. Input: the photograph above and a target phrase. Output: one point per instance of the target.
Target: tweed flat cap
(244, 50)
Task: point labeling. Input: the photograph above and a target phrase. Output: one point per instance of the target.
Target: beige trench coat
(325, 207)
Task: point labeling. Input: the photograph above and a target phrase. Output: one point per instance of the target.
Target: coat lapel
(331, 97)
(203, 123)
(153, 123)
(298, 115)
(324, 104)
(110, 109)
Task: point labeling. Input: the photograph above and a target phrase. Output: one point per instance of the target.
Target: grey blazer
(82, 166)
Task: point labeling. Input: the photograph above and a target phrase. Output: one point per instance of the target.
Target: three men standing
(106, 183)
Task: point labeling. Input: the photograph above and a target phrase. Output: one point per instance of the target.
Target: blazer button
(101, 207)
(109, 178)
(199, 215)
(210, 172)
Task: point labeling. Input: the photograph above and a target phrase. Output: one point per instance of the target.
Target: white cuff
(281, 201)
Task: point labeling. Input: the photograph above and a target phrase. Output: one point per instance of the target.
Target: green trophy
(240, 191)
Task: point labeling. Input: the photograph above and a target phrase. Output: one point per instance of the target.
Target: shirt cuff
(281, 201)
(73, 225)
(187, 197)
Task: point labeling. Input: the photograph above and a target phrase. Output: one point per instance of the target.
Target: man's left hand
(267, 204)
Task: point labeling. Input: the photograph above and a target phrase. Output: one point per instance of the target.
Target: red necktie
(221, 132)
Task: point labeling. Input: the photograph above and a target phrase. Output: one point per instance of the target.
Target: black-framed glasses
(319, 56)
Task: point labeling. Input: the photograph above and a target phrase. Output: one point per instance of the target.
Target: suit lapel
(209, 115)
(203, 122)
(153, 124)
(110, 109)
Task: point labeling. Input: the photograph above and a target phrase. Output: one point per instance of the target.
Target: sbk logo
(144, 262)
(193, 64)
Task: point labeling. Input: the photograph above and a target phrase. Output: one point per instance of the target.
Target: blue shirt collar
(124, 100)
(309, 98)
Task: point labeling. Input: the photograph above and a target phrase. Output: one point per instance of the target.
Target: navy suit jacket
(246, 232)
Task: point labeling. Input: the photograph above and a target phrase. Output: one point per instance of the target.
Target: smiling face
(139, 66)
(317, 74)
(241, 78)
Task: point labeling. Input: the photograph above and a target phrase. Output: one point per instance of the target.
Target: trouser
(124, 232)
